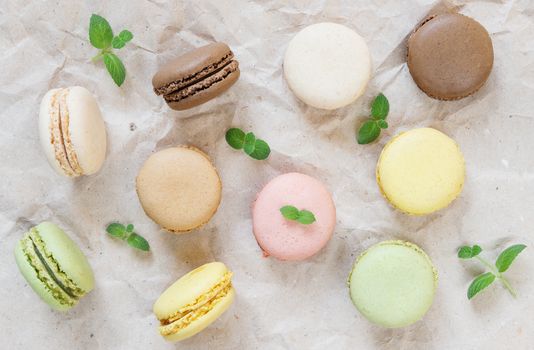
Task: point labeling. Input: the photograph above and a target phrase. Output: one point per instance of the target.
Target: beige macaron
(72, 131)
(179, 188)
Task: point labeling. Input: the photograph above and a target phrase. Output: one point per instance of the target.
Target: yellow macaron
(194, 301)
(421, 171)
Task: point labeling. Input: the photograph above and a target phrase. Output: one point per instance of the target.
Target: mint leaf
(290, 212)
(100, 32)
(508, 256)
(368, 132)
(138, 242)
(479, 283)
(115, 68)
(249, 143)
(116, 230)
(120, 40)
(235, 138)
(306, 217)
(261, 150)
(467, 252)
(382, 124)
(380, 107)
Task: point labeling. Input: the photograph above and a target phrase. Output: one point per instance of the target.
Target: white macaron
(327, 65)
(72, 131)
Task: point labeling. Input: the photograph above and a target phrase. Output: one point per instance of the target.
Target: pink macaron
(288, 239)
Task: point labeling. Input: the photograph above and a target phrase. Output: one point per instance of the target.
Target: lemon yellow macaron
(421, 171)
(194, 301)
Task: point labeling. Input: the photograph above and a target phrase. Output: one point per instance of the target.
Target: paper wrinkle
(279, 305)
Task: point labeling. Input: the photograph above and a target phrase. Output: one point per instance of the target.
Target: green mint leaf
(235, 138)
(130, 228)
(306, 217)
(479, 283)
(120, 40)
(116, 230)
(100, 32)
(290, 212)
(115, 68)
(138, 242)
(250, 143)
(508, 256)
(382, 124)
(368, 132)
(261, 150)
(475, 250)
(465, 252)
(380, 107)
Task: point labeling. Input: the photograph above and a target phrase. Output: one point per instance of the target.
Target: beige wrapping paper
(280, 305)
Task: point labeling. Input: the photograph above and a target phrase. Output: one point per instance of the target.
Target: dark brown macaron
(196, 77)
(450, 56)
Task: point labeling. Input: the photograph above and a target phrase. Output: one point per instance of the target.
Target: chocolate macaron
(197, 76)
(450, 56)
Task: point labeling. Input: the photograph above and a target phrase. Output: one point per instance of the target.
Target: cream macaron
(421, 171)
(179, 188)
(72, 131)
(327, 65)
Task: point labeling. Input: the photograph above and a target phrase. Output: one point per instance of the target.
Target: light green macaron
(54, 266)
(393, 283)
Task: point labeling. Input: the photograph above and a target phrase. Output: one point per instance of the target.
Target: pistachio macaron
(421, 171)
(54, 266)
(194, 301)
(179, 188)
(72, 131)
(393, 283)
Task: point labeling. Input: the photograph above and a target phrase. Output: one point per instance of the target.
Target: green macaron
(54, 266)
(393, 283)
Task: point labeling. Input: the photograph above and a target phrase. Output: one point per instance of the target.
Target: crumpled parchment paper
(280, 305)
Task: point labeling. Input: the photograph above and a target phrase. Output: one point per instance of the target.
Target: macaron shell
(450, 56)
(205, 320)
(421, 171)
(188, 288)
(179, 188)
(393, 284)
(290, 240)
(35, 283)
(87, 129)
(327, 65)
(67, 254)
(45, 131)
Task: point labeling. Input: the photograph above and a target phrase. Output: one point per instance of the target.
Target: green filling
(49, 283)
(53, 268)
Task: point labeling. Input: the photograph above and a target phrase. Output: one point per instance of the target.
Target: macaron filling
(216, 76)
(60, 135)
(201, 306)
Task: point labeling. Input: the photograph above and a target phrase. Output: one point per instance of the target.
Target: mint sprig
(304, 217)
(370, 129)
(126, 233)
(101, 37)
(502, 264)
(255, 148)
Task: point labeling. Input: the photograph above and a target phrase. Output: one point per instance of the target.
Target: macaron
(54, 266)
(421, 171)
(72, 131)
(450, 56)
(327, 65)
(287, 239)
(179, 188)
(195, 301)
(393, 284)
(197, 76)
